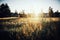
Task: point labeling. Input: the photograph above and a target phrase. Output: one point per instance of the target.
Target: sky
(32, 6)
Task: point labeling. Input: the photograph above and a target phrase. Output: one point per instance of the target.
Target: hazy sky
(32, 5)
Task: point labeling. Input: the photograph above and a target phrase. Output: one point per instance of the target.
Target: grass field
(30, 29)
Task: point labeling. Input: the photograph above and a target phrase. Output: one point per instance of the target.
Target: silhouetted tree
(4, 10)
(50, 12)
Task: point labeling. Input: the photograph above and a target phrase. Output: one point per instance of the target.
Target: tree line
(6, 12)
